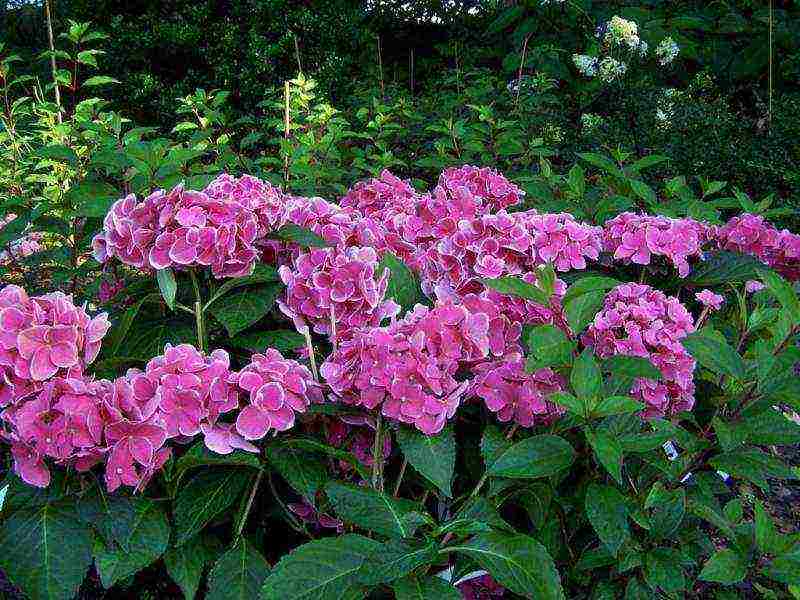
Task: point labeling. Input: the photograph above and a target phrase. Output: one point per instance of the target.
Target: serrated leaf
(200, 456)
(168, 286)
(754, 465)
(324, 569)
(723, 267)
(517, 287)
(185, 565)
(433, 456)
(608, 452)
(403, 286)
(375, 511)
(616, 405)
(395, 559)
(662, 570)
(299, 235)
(725, 567)
(517, 562)
(632, 367)
(783, 292)
(301, 470)
(238, 574)
(148, 542)
(204, 497)
(240, 310)
(425, 588)
(580, 310)
(607, 512)
(548, 346)
(261, 274)
(585, 377)
(533, 457)
(32, 550)
(712, 351)
(98, 80)
(283, 340)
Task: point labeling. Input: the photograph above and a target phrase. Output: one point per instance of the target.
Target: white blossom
(666, 51)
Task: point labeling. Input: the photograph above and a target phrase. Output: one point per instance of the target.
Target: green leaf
(403, 286)
(581, 310)
(148, 541)
(592, 283)
(326, 569)
(375, 511)
(616, 405)
(608, 452)
(425, 588)
(168, 286)
(517, 287)
(647, 162)
(207, 495)
(754, 465)
(662, 570)
(608, 513)
(32, 550)
(533, 457)
(768, 539)
(783, 292)
(517, 562)
(58, 153)
(283, 340)
(185, 565)
(771, 428)
(240, 310)
(585, 377)
(301, 470)
(200, 456)
(299, 235)
(493, 445)
(723, 267)
(574, 405)
(261, 274)
(93, 198)
(632, 367)
(786, 568)
(98, 80)
(433, 456)
(725, 567)
(644, 191)
(712, 351)
(238, 574)
(505, 19)
(603, 163)
(668, 507)
(548, 346)
(396, 559)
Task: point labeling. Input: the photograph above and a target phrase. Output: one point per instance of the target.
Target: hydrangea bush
(453, 393)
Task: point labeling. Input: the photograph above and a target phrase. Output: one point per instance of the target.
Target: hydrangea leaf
(185, 565)
(712, 351)
(375, 511)
(238, 574)
(517, 562)
(301, 470)
(396, 559)
(148, 541)
(207, 494)
(433, 456)
(608, 514)
(33, 553)
(425, 588)
(326, 569)
(726, 567)
(240, 310)
(403, 286)
(536, 456)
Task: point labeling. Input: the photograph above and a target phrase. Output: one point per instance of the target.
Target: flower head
(709, 299)
(666, 51)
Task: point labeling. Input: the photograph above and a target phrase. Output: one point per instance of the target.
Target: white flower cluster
(611, 69)
(666, 51)
(621, 32)
(665, 107)
(586, 65)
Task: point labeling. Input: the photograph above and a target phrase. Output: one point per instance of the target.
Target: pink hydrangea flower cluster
(493, 189)
(633, 238)
(380, 196)
(187, 228)
(512, 393)
(332, 285)
(709, 299)
(42, 337)
(408, 368)
(561, 240)
(637, 320)
(752, 234)
(277, 389)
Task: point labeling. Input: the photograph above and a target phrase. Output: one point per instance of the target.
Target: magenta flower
(278, 389)
(752, 234)
(482, 587)
(635, 239)
(336, 285)
(751, 286)
(515, 395)
(493, 189)
(637, 320)
(129, 230)
(380, 196)
(562, 241)
(709, 299)
(264, 200)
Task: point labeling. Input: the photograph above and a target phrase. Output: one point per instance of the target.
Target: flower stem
(198, 312)
(252, 497)
(311, 357)
(377, 456)
(400, 477)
